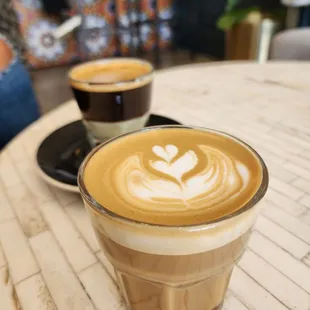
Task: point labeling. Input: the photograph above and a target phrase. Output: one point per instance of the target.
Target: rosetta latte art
(172, 180)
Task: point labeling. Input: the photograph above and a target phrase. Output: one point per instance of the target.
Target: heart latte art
(171, 176)
(177, 184)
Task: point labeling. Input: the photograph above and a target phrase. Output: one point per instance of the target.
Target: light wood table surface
(49, 257)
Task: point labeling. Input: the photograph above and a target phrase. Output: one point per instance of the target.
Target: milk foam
(222, 179)
(176, 191)
(172, 240)
(102, 131)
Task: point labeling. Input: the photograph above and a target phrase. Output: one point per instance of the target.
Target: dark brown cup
(114, 96)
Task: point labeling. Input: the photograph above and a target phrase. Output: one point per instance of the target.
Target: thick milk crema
(182, 178)
(111, 75)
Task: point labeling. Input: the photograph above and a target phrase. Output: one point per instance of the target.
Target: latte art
(220, 180)
(171, 176)
(200, 189)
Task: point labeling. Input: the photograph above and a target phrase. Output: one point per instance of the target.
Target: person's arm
(6, 54)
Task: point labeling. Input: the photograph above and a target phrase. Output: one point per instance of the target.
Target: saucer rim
(51, 181)
(54, 182)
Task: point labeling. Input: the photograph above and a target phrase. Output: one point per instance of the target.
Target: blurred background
(55, 34)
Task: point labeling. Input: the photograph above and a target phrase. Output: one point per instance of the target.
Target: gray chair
(291, 44)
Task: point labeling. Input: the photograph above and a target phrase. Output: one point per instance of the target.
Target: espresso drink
(174, 210)
(114, 95)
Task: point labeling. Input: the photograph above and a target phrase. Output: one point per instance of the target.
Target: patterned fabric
(95, 37)
(109, 27)
(32, 4)
(145, 33)
(42, 50)
(42, 44)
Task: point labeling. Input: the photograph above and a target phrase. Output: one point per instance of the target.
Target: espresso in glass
(173, 208)
(114, 95)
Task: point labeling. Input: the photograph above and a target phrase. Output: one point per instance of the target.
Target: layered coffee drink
(114, 95)
(173, 208)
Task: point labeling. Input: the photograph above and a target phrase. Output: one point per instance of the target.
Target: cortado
(114, 95)
(173, 208)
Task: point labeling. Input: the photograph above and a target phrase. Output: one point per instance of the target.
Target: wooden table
(49, 257)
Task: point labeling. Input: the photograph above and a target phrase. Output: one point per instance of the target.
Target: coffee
(173, 282)
(178, 209)
(173, 176)
(114, 95)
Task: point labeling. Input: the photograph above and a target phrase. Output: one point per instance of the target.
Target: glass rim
(108, 60)
(260, 193)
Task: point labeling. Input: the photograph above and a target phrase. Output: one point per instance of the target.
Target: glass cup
(113, 94)
(173, 267)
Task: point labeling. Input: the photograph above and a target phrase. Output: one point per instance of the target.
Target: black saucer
(61, 153)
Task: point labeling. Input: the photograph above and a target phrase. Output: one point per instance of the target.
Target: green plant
(234, 14)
